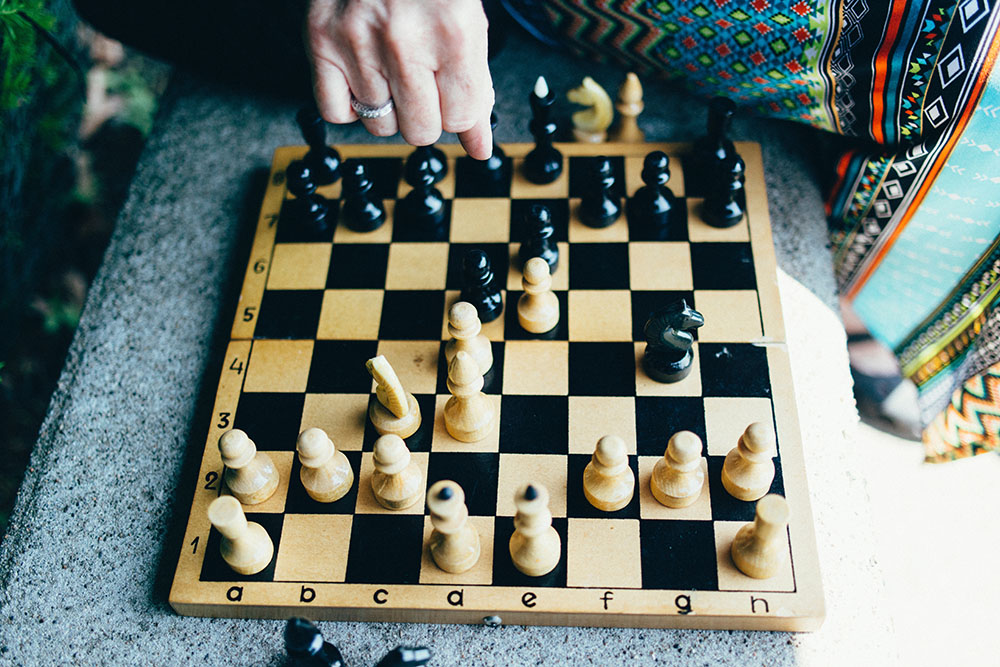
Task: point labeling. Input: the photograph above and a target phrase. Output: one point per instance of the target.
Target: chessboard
(313, 309)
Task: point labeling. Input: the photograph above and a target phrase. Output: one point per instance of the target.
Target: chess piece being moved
(600, 207)
(651, 204)
(250, 475)
(246, 547)
(466, 336)
(492, 169)
(538, 307)
(669, 338)
(679, 477)
(591, 124)
(538, 238)
(724, 198)
(535, 546)
(760, 548)
(360, 211)
(479, 285)
(469, 415)
(312, 210)
(423, 206)
(608, 481)
(544, 163)
(437, 163)
(326, 473)
(323, 160)
(748, 470)
(396, 410)
(397, 482)
(715, 148)
(305, 645)
(629, 106)
(454, 543)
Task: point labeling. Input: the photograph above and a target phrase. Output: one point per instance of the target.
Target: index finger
(478, 141)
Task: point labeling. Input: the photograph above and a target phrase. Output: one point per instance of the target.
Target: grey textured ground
(85, 566)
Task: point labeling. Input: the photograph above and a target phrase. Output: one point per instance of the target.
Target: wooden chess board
(312, 310)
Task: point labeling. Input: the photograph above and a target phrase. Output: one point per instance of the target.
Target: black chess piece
(306, 647)
(436, 161)
(423, 205)
(538, 241)
(715, 147)
(651, 204)
(492, 168)
(544, 163)
(669, 337)
(360, 212)
(323, 160)
(724, 205)
(478, 285)
(600, 207)
(406, 656)
(311, 209)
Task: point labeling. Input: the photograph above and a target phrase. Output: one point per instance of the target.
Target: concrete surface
(85, 566)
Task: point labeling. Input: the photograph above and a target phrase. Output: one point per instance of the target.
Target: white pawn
(246, 547)
(469, 415)
(250, 475)
(454, 543)
(678, 477)
(535, 546)
(748, 470)
(608, 481)
(396, 411)
(538, 307)
(466, 336)
(760, 549)
(397, 482)
(326, 473)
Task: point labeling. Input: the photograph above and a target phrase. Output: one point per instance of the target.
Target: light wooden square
(730, 577)
(650, 507)
(299, 266)
(350, 314)
(731, 316)
(279, 365)
(633, 175)
(516, 470)
(446, 186)
(522, 188)
(646, 386)
(415, 363)
(480, 573)
(417, 266)
(660, 266)
(700, 231)
(484, 220)
(592, 417)
(539, 367)
(492, 330)
(276, 503)
(441, 440)
(603, 553)
(341, 416)
(344, 234)
(313, 547)
(331, 191)
(726, 418)
(366, 497)
(600, 315)
(616, 232)
(560, 279)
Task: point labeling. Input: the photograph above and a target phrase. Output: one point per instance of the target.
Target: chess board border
(801, 609)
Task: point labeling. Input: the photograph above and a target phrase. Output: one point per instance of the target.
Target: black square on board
(385, 173)
(338, 367)
(492, 381)
(534, 425)
(504, 572)
(512, 325)
(385, 549)
(558, 208)
(722, 266)
(644, 303)
(658, 418)
(213, 568)
(727, 508)
(406, 230)
(420, 441)
(577, 505)
(475, 472)
(292, 226)
(498, 253)
(599, 266)
(469, 183)
(601, 369)
(358, 266)
(583, 175)
(289, 314)
(299, 501)
(412, 315)
(270, 419)
(678, 555)
(676, 228)
(734, 369)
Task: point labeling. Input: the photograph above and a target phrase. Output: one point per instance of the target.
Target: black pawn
(423, 205)
(544, 163)
(715, 148)
(436, 161)
(360, 211)
(538, 241)
(324, 160)
(492, 168)
(406, 656)
(478, 285)
(312, 210)
(651, 204)
(305, 645)
(600, 208)
(669, 337)
(723, 205)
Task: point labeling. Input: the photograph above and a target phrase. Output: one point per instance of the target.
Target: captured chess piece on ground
(305, 646)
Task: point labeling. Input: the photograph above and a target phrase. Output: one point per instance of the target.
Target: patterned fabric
(915, 225)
